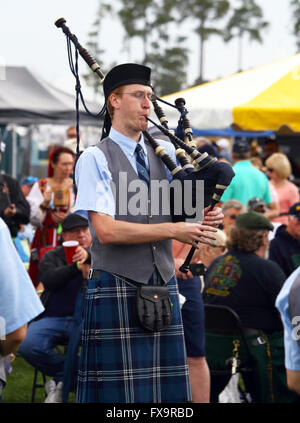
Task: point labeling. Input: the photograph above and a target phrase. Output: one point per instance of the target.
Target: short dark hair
(241, 156)
(58, 151)
(246, 240)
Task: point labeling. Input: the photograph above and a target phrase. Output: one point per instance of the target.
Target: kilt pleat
(120, 361)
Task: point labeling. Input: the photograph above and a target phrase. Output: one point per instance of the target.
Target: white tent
(263, 98)
(25, 98)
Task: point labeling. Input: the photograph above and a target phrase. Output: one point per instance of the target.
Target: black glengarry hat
(126, 74)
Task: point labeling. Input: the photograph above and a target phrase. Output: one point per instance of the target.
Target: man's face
(230, 218)
(81, 234)
(132, 107)
(71, 133)
(293, 227)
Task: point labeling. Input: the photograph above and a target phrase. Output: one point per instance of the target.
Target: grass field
(19, 384)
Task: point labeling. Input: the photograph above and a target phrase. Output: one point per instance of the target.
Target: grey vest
(134, 261)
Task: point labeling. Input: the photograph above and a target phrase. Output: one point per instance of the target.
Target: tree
(94, 46)
(246, 18)
(169, 68)
(135, 17)
(151, 21)
(295, 5)
(206, 13)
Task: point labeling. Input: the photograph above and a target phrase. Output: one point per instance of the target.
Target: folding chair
(36, 384)
(226, 341)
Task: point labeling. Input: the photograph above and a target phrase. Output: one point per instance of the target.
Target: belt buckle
(90, 275)
(260, 340)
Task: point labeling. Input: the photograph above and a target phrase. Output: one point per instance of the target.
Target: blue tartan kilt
(120, 361)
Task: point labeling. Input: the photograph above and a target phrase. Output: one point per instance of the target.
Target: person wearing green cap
(245, 281)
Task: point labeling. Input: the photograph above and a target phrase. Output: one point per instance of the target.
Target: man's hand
(85, 268)
(47, 197)
(80, 255)
(58, 216)
(192, 233)
(10, 211)
(214, 217)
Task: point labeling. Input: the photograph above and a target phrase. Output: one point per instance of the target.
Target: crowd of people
(122, 299)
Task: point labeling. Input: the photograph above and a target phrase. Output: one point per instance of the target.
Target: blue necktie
(141, 165)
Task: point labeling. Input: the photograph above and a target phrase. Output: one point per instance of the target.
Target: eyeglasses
(141, 95)
(72, 135)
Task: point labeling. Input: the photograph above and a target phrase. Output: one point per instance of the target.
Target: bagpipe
(194, 166)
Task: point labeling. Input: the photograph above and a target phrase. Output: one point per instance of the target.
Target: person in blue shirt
(19, 302)
(288, 305)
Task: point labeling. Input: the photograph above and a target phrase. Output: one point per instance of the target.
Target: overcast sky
(29, 38)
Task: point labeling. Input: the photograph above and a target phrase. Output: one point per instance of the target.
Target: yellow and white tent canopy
(263, 98)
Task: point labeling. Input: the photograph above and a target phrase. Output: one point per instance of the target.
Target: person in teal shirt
(248, 181)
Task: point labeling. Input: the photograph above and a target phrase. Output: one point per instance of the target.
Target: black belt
(257, 341)
(96, 274)
(250, 331)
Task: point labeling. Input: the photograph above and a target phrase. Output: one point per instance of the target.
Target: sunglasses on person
(269, 169)
(260, 209)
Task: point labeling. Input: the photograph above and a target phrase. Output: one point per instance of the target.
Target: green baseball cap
(254, 221)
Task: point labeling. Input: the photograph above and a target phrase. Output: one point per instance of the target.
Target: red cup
(70, 248)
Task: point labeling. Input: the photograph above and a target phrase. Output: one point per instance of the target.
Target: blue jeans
(42, 336)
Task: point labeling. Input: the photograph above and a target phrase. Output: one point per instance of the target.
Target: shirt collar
(125, 143)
